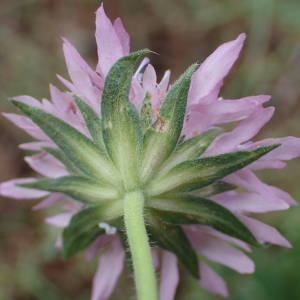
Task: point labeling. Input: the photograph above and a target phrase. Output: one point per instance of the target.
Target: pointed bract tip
(137, 54)
(267, 149)
(148, 51)
(17, 103)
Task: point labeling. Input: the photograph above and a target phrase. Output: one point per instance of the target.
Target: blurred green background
(182, 31)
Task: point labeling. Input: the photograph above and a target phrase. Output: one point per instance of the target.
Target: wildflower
(155, 155)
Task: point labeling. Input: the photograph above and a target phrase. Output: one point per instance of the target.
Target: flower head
(117, 132)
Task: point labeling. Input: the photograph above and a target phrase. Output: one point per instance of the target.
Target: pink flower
(205, 111)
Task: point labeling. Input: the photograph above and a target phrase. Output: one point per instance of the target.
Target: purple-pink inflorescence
(205, 110)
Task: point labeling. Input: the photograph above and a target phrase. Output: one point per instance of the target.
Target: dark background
(182, 32)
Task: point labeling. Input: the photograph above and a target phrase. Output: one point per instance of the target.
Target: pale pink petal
(74, 90)
(197, 121)
(123, 35)
(267, 164)
(220, 235)
(225, 111)
(164, 83)
(202, 116)
(37, 146)
(109, 269)
(99, 243)
(150, 86)
(137, 93)
(60, 220)
(81, 80)
(283, 195)
(46, 165)
(169, 276)
(11, 190)
(249, 202)
(289, 148)
(209, 77)
(27, 125)
(109, 46)
(265, 233)
(219, 251)
(60, 100)
(72, 52)
(67, 84)
(65, 108)
(47, 106)
(51, 200)
(149, 79)
(211, 281)
(73, 206)
(28, 100)
(247, 180)
(144, 63)
(246, 130)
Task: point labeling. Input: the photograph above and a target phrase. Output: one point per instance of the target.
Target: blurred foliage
(182, 31)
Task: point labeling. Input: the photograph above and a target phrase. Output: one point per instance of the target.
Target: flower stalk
(144, 274)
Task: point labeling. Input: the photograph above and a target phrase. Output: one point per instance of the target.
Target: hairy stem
(144, 274)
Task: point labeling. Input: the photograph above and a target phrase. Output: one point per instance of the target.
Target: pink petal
(37, 146)
(225, 111)
(164, 83)
(137, 93)
(150, 86)
(123, 35)
(110, 48)
(75, 91)
(67, 84)
(203, 116)
(149, 79)
(219, 251)
(213, 232)
(249, 202)
(73, 205)
(65, 108)
(289, 148)
(265, 233)
(51, 200)
(11, 190)
(80, 78)
(208, 78)
(109, 269)
(60, 100)
(169, 276)
(211, 281)
(60, 220)
(99, 243)
(144, 63)
(48, 106)
(27, 125)
(28, 100)
(267, 164)
(72, 52)
(247, 180)
(246, 130)
(46, 165)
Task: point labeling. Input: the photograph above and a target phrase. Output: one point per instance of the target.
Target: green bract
(127, 153)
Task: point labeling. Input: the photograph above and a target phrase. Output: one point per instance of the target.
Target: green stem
(144, 274)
